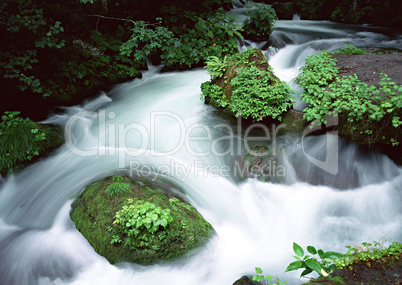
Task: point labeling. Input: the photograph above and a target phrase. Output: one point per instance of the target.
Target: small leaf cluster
(266, 278)
(117, 188)
(141, 223)
(323, 264)
(369, 252)
(215, 67)
(348, 49)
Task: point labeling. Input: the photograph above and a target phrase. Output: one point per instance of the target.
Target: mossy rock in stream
(244, 85)
(94, 211)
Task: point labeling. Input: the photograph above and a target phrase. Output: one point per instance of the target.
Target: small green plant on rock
(369, 252)
(348, 49)
(117, 178)
(247, 87)
(216, 67)
(117, 188)
(257, 94)
(142, 225)
(266, 278)
(323, 265)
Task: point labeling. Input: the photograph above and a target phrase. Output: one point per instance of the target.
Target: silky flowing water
(157, 127)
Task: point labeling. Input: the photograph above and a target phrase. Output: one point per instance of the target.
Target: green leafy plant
(348, 49)
(323, 264)
(117, 188)
(369, 252)
(216, 67)
(211, 36)
(246, 85)
(259, 13)
(257, 94)
(117, 178)
(215, 94)
(21, 140)
(266, 278)
(371, 114)
(141, 223)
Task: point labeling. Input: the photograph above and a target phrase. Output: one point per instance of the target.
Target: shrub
(215, 94)
(142, 223)
(21, 140)
(259, 13)
(211, 36)
(257, 94)
(248, 87)
(371, 114)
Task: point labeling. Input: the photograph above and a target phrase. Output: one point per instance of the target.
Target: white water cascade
(152, 122)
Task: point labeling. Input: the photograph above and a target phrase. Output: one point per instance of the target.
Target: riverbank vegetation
(23, 141)
(245, 85)
(367, 113)
(371, 263)
(55, 53)
(377, 12)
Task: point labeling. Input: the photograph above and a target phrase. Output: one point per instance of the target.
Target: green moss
(293, 121)
(93, 213)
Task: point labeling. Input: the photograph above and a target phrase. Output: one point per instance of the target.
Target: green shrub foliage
(257, 94)
(141, 223)
(371, 114)
(21, 140)
(245, 84)
(59, 50)
(260, 22)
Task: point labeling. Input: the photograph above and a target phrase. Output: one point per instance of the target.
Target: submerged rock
(94, 213)
(262, 163)
(245, 280)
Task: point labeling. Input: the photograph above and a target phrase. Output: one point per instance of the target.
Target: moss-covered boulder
(245, 85)
(163, 229)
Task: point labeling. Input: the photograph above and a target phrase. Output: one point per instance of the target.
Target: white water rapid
(154, 121)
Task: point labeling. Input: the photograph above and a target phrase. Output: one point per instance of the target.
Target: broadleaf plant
(324, 264)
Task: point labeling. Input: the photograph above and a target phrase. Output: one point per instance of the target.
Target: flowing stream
(159, 122)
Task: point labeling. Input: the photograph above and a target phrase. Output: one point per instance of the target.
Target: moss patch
(93, 213)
